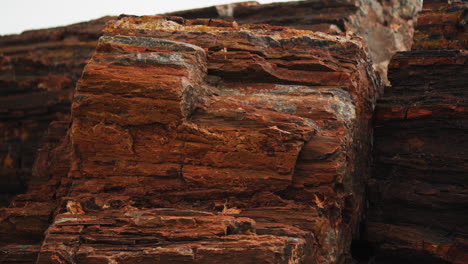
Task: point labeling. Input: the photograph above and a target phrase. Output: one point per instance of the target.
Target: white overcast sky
(19, 15)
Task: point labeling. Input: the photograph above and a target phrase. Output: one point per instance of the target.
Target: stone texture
(23, 223)
(209, 141)
(38, 73)
(250, 143)
(442, 25)
(163, 236)
(418, 193)
(39, 69)
(385, 26)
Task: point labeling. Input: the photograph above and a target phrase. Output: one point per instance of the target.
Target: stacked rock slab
(385, 26)
(23, 223)
(201, 141)
(39, 69)
(38, 73)
(418, 194)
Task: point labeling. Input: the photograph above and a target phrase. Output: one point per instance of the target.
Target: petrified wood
(38, 74)
(39, 68)
(202, 141)
(385, 26)
(418, 198)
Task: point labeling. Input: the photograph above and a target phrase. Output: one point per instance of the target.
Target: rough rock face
(385, 26)
(418, 195)
(202, 141)
(196, 140)
(39, 69)
(23, 223)
(38, 73)
(442, 26)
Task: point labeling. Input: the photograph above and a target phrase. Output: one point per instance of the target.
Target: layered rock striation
(199, 140)
(39, 68)
(385, 26)
(194, 140)
(418, 194)
(38, 73)
(24, 222)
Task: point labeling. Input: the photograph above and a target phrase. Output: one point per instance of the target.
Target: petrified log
(385, 26)
(250, 143)
(418, 193)
(38, 73)
(442, 25)
(39, 69)
(23, 223)
(196, 140)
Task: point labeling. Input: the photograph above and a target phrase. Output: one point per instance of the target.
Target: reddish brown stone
(39, 69)
(385, 26)
(179, 121)
(163, 236)
(418, 194)
(442, 25)
(38, 73)
(253, 141)
(23, 223)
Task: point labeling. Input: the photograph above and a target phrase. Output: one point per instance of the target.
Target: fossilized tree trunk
(418, 193)
(200, 141)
